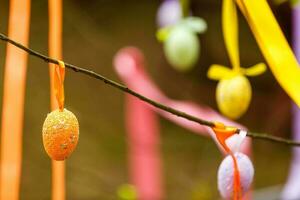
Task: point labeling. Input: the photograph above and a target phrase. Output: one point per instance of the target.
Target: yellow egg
(60, 134)
(233, 96)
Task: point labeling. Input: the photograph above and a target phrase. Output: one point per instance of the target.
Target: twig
(141, 97)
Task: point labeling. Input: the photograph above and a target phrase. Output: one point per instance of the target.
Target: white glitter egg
(226, 174)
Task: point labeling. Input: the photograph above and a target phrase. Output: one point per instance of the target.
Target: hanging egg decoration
(236, 171)
(182, 49)
(61, 128)
(60, 134)
(226, 175)
(181, 43)
(233, 96)
(233, 93)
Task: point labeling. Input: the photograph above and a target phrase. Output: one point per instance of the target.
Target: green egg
(182, 48)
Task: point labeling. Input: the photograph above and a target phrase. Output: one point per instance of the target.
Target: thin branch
(141, 97)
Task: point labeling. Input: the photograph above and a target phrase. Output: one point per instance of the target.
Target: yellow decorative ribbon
(230, 33)
(273, 45)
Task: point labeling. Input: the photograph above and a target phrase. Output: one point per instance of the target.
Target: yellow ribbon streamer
(273, 45)
(230, 32)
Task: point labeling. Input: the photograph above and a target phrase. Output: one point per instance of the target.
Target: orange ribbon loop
(223, 133)
(59, 78)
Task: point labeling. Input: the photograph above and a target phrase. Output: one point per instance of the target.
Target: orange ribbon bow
(59, 78)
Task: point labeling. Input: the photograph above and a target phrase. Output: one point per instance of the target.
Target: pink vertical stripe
(143, 140)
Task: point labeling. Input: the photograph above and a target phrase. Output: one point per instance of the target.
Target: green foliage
(127, 192)
(202, 191)
(292, 2)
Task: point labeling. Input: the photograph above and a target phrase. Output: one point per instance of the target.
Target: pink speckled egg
(226, 173)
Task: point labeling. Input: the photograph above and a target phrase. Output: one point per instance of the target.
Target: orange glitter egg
(60, 134)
